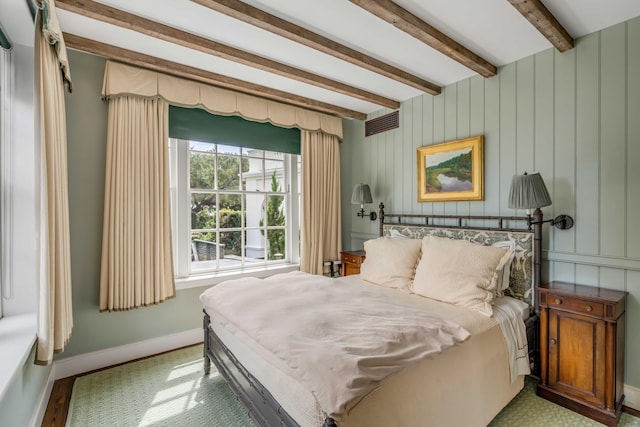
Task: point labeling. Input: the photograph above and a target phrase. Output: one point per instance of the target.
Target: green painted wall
(86, 153)
(574, 117)
(18, 405)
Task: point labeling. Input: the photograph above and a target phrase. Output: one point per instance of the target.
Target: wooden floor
(58, 406)
(631, 411)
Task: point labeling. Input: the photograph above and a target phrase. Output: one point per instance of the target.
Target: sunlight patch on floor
(176, 398)
(184, 369)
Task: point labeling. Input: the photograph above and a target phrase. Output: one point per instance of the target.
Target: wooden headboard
(486, 230)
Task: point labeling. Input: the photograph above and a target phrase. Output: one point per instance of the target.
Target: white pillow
(503, 279)
(390, 262)
(459, 272)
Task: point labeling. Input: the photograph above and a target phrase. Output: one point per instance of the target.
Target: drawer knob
(589, 308)
(552, 340)
(557, 301)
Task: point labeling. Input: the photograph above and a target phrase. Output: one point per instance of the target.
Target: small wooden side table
(351, 261)
(582, 331)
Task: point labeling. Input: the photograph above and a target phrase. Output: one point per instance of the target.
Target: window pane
(202, 168)
(255, 245)
(273, 155)
(204, 247)
(276, 244)
(228, 149)
(255, 218)
(275, 176)
(299, 161)
(253, 152)
(254, 204)
(230, 210)
(232, 241)
(254, 175)
(228, 172)
(203, 210)
(204, 147)
(275, 210)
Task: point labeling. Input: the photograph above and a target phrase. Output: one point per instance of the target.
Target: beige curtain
(121, 79)
(321, 225)
(137, 264)
(55, 317)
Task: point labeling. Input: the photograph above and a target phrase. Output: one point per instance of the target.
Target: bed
(478, 369)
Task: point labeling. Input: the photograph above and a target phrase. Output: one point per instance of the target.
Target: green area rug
(171, 390)
(529, 410)
(166, 390)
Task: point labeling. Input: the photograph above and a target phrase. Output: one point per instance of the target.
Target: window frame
(180, 194)
(6, 168)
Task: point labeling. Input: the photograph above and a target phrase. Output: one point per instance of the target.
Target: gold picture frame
(451, 171)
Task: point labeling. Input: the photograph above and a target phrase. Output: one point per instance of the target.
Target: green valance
(196, 124)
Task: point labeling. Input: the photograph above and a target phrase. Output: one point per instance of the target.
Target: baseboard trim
(631, 397)
(87, 362)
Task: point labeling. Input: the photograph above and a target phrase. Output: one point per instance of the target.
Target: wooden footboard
(262, 407)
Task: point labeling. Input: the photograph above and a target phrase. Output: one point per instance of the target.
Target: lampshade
(361, 194)
(528, 192)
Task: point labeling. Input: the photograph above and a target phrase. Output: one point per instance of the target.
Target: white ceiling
(493, 29)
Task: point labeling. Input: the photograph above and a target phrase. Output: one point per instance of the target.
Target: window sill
(17, 335)
(197, 281)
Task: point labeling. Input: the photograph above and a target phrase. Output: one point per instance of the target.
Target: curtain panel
(137, 263)
(320, 133)
(321, 221)
(51, 72)
(121, 79)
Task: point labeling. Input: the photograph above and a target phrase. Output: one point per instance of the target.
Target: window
(235, 205)
(5, 171)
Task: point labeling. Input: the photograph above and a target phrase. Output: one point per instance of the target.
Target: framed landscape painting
(451, 171)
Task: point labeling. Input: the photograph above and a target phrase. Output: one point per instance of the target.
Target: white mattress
(475, 372)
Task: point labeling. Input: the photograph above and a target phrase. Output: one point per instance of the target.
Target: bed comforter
(339, 339)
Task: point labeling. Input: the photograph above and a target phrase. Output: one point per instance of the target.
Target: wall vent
(382, 124)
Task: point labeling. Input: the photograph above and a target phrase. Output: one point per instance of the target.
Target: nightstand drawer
(352, 259)
(576, 305)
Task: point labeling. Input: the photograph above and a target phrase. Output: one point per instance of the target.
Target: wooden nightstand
(351, 261)
(582, 349)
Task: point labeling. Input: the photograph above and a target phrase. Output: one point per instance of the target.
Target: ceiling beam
(261, 19)
(196, 74)
(160, 31)
(416, 27)
(540, 17)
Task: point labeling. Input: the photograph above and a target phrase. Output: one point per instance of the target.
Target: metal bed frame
(261, 406)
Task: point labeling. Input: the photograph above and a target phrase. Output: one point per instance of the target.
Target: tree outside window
(275, 217)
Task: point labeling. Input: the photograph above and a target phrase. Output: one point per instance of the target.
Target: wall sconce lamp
(361, 195)
(529, 192)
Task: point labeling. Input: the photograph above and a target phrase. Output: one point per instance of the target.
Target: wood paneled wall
(574, 117)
